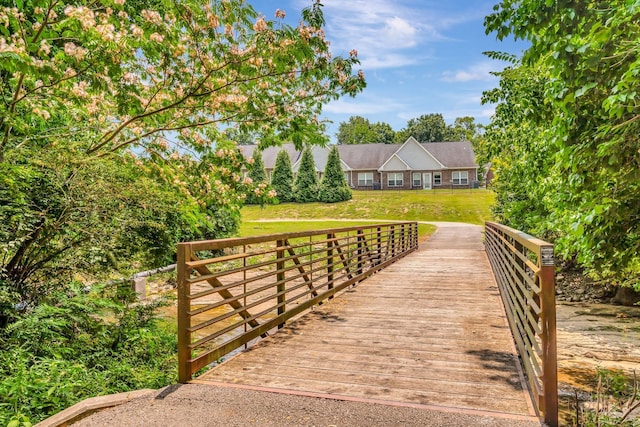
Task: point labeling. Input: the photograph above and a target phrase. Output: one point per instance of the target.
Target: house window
(437, 178)
(346, 178)
(460, 177)
(395, 179)
(416, 179)
(365, 178)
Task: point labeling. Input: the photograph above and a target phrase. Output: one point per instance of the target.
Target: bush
(282, 178)
(333, 187)
(306, 184)
(79, 345)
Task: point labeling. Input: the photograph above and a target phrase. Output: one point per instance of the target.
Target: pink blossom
(155, 37)
(260, 25)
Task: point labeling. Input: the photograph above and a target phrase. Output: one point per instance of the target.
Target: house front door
(426, 181)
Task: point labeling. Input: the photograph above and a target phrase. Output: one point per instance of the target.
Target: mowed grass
(470, 206)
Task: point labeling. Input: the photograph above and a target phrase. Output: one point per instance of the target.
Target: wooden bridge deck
(428, 331)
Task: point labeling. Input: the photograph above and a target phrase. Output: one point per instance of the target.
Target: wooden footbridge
(464, 322)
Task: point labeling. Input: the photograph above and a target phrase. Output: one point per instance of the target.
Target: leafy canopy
(588, 51)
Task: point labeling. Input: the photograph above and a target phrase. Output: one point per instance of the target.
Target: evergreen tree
(258, 175)
(282, 178)
(333, 187)
(306, 184)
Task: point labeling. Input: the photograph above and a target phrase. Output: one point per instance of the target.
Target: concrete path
(422, 343)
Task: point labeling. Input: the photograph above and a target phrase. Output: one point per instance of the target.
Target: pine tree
(333, 187)
(258, 175)
(306, 184)
(282, 178)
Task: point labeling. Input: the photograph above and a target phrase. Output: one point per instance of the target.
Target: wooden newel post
(330, 262)
(280, 288)
(184, 321)
(549, 404)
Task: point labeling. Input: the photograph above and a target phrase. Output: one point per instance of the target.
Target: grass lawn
(471, 206)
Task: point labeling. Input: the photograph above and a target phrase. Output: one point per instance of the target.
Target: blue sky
(418, 56)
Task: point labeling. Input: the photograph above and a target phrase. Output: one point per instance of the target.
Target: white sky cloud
(361, 107)
(480, 71)
(385, 33)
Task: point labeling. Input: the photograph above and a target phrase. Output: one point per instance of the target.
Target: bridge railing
(524, 270)
(233, 291)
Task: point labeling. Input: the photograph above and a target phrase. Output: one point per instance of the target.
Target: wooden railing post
(330, 262)
(392, 237)
(280, 288)
(360, 236)
(548, 336)
(184, 321)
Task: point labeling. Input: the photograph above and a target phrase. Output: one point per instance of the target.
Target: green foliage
(591, 67)
(521, 156)
(616, 399)
(426, 128)
(358, 130)
(81, 344)
(432, 128)
(333, 186)
(282, 178)
(306, 183)
(89, 181)
(463, 129)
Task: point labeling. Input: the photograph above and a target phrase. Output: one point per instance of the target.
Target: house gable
(394, 163)
(417, 157)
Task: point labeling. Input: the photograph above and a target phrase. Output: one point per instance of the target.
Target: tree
(333, 186)
(282, 178)
(384, 133)
(590, 57)
(426, 128)
(518, 146)
(258, 176)
(85, 85)
(358, 130)
(306, 183)
(463, 129)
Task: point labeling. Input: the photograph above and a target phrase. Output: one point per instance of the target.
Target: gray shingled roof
(269, 154)
(373, 156)
(366, 156)
(452, 154)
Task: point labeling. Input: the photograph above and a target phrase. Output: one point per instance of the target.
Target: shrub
(282, 178)
(333, 187)
(306, 184)
(82, 344)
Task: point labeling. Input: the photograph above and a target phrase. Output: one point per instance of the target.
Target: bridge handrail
(258, 283)
(525, 273)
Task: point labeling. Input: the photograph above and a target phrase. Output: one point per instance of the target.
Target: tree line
(426, 128)
(303, 187)
(565, 136)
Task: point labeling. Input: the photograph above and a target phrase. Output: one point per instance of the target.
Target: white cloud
(480, 71)
(360, 108)
(385, 34)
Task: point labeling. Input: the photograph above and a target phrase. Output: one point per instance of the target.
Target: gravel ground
(205, 405)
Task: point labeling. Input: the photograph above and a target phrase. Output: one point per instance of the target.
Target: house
(411, 165)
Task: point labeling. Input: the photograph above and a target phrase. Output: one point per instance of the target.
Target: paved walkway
(422, 343)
